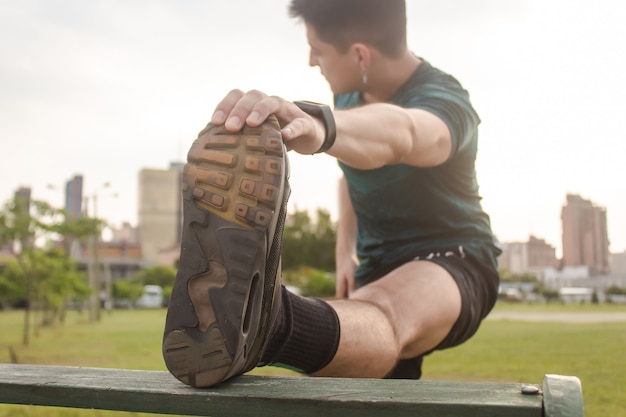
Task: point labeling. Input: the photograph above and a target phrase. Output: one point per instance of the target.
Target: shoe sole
(233, 187)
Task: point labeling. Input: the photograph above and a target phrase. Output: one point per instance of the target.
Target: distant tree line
(308, 253)
(309, 242)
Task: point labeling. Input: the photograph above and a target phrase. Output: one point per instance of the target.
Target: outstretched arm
(380, 134)
(368, 137)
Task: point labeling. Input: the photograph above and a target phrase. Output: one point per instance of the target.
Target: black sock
(306, 336)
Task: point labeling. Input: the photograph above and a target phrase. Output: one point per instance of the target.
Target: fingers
(304, 134)
(345, 287)
(239, 108)
(345, 283)
(223, 109)
(300, 131)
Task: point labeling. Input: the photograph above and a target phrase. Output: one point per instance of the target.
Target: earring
(364, 75)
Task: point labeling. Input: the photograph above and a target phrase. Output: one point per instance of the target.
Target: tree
(323, 242)
(163, 276)
(10, 291)
(19, 230)
(23, 224)
(311, 282)
(83, 229)
(127, 290)
(58, 281)
(615, 290)
(307, 243)
(54, 280)
(508, 276)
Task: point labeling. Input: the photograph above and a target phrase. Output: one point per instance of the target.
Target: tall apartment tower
(74, 197)
(585, 236)
(22, 196)
(160, 211)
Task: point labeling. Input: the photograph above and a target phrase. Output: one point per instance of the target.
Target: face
(341, 70)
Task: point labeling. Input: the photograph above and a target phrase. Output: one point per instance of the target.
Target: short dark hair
(381, 23)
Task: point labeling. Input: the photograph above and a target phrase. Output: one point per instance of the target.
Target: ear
(363, 54)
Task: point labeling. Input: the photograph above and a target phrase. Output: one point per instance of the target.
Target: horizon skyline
(311, 210)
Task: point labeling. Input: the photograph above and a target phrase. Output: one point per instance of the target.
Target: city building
(533, 256)
(618, 263)
(23, 193)
(23, 197)
(160, 211)
(580, 277)
(585, 236)
(541, 254)
(23, 200)
(115, 259)
(74, 197)
(125, 233)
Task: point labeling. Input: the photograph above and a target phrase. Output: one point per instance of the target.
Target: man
(416, 259)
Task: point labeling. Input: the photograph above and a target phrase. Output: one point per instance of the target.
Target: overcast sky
(104, 88)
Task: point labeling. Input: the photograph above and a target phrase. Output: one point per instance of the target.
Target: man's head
(349, 39)
(341, 23)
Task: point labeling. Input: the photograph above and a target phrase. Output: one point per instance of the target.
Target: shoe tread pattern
(237, 176)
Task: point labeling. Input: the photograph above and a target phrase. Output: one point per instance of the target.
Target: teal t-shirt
(403, 211)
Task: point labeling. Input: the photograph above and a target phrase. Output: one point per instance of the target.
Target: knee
(417, 326)
(380, 300)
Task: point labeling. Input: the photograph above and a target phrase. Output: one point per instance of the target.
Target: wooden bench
(253, 396)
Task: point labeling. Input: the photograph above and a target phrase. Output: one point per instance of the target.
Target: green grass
(123, 339)
(557, 307)
(504, 351)
(507, 351)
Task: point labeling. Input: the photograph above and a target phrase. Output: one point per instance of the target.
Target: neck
(386, 76)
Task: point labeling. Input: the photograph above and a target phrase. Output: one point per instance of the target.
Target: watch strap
(325, 114)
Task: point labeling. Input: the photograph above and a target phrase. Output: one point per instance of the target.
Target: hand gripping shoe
(227, 290)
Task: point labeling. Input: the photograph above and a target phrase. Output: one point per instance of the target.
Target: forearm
(380, 134)
(345, 251)
(346, 229)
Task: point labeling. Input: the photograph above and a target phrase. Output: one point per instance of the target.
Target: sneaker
(227, 290)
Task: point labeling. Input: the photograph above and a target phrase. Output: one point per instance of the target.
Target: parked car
(152, 297)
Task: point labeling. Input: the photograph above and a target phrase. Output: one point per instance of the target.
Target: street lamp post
(93, 246)
(92, 272)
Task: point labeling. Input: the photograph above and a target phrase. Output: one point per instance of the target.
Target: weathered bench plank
(159, 392)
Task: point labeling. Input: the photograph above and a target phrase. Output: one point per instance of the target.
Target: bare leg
(404, 314)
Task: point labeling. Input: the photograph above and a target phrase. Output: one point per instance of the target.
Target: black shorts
(478, 284)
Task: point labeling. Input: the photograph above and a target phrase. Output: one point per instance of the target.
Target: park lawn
(558, 307)
(501, 351)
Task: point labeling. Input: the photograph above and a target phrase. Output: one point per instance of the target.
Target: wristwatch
(325, 114)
